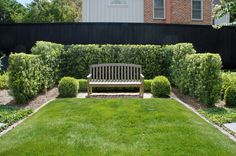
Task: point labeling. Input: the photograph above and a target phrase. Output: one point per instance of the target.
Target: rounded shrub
(68, 87)
(230, 96)
(160, 86)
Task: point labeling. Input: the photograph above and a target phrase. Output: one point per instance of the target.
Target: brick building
(148, 11)
(178, 11)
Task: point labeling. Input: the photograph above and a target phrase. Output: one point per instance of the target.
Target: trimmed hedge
(178, 65)
(25, 76)
(155, 60)
(228, 79)
(160, 86)
(4, 81)
(147, 86)
(77, 58)
(230, 96)
(68, 87)
(82, 85)
(202, 77)
(194, 74)
(31, 74)
(50, 54)
(198, 75)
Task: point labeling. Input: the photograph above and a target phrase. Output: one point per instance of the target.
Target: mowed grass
(115, 127)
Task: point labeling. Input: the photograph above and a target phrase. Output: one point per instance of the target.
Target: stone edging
(21, 121)
(201, 116)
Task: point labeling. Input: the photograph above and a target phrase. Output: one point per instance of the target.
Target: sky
(24, 2)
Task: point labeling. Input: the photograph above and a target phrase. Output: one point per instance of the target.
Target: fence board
(21, 37)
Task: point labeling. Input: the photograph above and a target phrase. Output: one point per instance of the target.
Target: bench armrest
(141, 75)
(89, 76)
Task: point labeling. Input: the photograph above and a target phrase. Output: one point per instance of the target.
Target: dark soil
(188, 100)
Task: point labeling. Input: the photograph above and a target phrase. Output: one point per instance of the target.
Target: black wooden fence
(21, 37)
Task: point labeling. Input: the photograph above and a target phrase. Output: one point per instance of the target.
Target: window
(118, 2)
(197, 7)
(159, 9)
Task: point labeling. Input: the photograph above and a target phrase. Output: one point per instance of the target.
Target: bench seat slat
(115, 84)
(130, 82)
(115, 75)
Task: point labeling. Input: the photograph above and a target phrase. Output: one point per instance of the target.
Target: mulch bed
(188, 100)
(192, 101)
(6, 99)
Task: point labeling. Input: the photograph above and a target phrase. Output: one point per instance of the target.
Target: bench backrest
(116, 72)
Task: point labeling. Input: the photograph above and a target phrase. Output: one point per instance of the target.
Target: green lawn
(115, 127)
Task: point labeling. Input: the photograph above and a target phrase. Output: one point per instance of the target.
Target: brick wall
(178, 12)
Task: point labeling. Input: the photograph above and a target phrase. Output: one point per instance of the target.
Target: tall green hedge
(25, 76)
(77, 58)
(155, 60)
(50, 54)
(4, 81)
(228, 79)
(202, 78)
(195, 74)
(178, 65)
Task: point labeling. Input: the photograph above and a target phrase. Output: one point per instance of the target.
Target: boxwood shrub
(68, 87)
(202, 78)
(178, 65)
(83, 85)
(25, 76)
(194, 74)
(230, 96)
(50, 54)
(155, 60)
(228, 79)
(160, 86)
(147, 85)
(4, 81)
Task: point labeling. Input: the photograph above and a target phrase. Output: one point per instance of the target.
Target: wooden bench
(115, 75)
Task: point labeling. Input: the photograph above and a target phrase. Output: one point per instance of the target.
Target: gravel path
(6, 99)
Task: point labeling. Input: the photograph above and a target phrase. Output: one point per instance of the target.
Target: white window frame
(201, 10)
(110, 3)
(158, 18)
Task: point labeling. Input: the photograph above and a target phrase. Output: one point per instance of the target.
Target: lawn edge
(22, 120)
(222, 130)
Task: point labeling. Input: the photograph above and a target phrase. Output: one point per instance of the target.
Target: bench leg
(88, 91)
(141, 91)
(91, 90)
